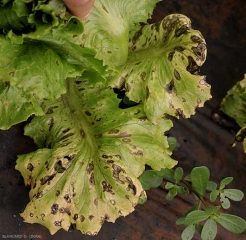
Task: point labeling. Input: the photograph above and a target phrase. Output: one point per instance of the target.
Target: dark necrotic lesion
(192, 67)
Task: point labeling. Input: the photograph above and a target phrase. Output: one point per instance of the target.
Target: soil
(205, 139)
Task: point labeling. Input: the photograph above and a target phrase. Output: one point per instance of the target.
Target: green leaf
(232, 223)
(166, 173)
(211, 186)
(241, 137)
(209, 230)
(213, 195)
(91, 155)
(178, 174)
(169, 185)
(143, 198)
(212, 209)
(107, 28)
(150, 179)
(233, 194)
(188, 232)
(182, 190)
(182, 219)
(225, 203)
(13, 16)
(195, 217)
(162, 68)
(199, 178)
(171, 193)
(173, 143)
(235, 101)
(225, 182)
(16, 106)
(33, 67)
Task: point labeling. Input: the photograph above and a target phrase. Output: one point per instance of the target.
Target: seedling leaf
(209, 230)
(188, 232)
(199, 178)
(232, 223)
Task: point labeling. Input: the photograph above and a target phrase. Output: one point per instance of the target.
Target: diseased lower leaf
(91, 155)
(162, 69)
(16, 106)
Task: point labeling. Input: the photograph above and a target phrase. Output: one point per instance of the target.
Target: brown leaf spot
(143, 76)
(42, 216)
(143, 118)
(180, 113)
(82, 133)
(90, 168)
(39, 194)
(46, 179)
(176, 74)
(179, 49)
(82, 218)
(75, 217)
(114, 131)
(138, 153)
(107, 187)
(182, 30)
(54, 208)
(91, 217)
(112, 202)
(50, 123)
(87, 113)
(192, 67)
(170, 56)
(67, 198)
(196, 39)
(30, 167)
(92, 179)
(58, 223)
(170, 86)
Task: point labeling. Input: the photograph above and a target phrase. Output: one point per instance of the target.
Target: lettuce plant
(233, 105)
(63, 75)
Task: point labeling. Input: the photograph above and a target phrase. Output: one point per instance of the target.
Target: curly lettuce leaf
(13, 15)
(234, 104)
(39, 58)
(83, 173)
(108, 26)
(162, 69)
(16, 106)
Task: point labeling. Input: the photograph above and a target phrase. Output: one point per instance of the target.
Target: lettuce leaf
(83, 173)
(108, 26)
(234, 105)
(16, 106)
(162, 69)
(63, 71)
(235, 101)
